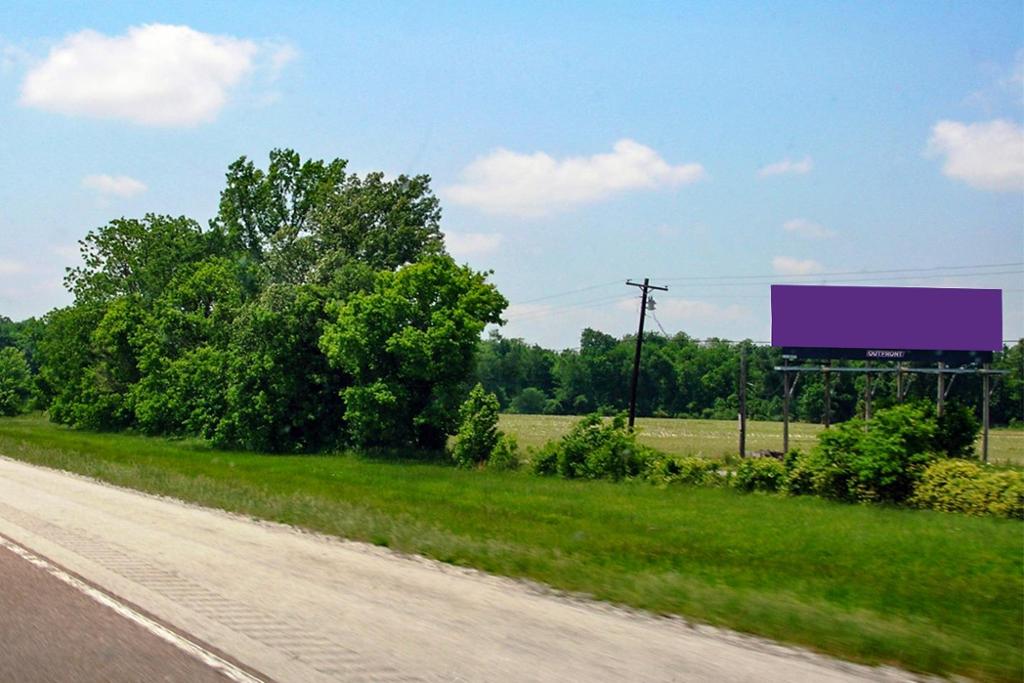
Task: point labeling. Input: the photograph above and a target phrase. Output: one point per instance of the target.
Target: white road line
(185, 645)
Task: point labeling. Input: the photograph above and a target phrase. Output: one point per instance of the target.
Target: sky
(714, 147)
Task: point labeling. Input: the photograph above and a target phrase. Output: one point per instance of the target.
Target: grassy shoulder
(929, 591)
(715, 438)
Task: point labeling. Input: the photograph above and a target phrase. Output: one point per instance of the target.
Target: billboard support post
(986, 393)
(785, 407)
(940, 398)
(828, 397)
(867, 395)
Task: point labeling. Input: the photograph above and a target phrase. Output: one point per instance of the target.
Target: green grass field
(928, 591)
(714, 438)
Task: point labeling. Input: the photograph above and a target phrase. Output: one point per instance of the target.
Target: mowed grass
(924, 590)
(715, 438)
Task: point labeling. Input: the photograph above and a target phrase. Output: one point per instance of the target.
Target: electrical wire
(805, 276)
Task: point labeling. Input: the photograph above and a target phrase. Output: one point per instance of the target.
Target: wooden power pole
(743, 401)
(646, 287)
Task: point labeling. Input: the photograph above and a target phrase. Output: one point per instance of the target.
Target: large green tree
(408, 346)
(15, 381)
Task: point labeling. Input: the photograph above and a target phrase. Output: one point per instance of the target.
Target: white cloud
(12, 267)
(116, 186)
(155, 74)
(535, 184)
(785, 265)
(280, 57)
(472, 243)
(806, 228)
(787, 167)
(987, 156)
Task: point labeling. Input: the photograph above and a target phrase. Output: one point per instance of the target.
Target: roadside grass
(929, 591)
(715, 438)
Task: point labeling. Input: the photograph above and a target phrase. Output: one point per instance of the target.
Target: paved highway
(293, 606)
(51, 631)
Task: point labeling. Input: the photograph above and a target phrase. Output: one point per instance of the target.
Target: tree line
(318, 309)
(685, 377)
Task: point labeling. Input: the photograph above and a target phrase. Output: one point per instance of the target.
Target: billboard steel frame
(985, 372)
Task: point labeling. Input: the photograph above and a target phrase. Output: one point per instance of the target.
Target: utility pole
(743, 402)
(646, 287)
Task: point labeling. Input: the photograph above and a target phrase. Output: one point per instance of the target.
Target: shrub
(666, 469)
(956, 431)
(760, 474)
(478, 431)
(898, 445)
(594, 449)
(545, 461)
(505, 455)
(963, 486)
(827, 469)
(880, 463)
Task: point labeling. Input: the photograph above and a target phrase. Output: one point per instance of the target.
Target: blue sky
(717, 147)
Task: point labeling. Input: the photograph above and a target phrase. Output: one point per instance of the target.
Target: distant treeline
(684, 377)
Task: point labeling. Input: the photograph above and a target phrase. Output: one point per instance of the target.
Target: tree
(408, 346)
(309, 221)
(131, 257)
(15, 382)
(266, 211)
(530, 401)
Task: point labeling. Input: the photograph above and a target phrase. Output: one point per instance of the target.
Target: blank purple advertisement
(911, 318)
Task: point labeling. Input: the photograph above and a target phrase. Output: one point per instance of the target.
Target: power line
(776, 276)
(571, 291)
(823, 278)
(848, 272)
(554, 310)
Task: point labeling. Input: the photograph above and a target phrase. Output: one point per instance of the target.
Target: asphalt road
(50, 631)
(302, 607)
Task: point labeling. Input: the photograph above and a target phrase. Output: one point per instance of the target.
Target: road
(295, 606)
(51, 631)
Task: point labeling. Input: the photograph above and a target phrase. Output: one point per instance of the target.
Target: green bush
(15, 382)
(478, 431)
(963, 486)
(898, 445)
(594, 449)
(878, 461)
(760, 474)
(667, 469)
(827, 469)
(956, 431)
(545, 461)
(505, 455)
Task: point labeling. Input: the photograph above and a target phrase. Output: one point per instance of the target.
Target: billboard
(887, 323)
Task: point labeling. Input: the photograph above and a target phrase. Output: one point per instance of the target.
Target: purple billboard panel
(879, 319)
